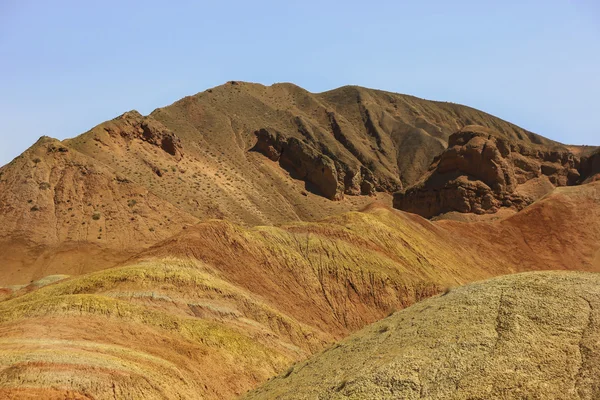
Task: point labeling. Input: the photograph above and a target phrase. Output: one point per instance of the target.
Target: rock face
(590, 167)
(331, 176)
(532, 335)
(481, 172)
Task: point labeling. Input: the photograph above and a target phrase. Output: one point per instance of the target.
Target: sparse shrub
(44, 186)
(132, 203)
(383, 329)
(341, 386)
(96, 216)
(35, 208)
(36, 161)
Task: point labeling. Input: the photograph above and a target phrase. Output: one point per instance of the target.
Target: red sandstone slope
(313, 270)
(62, 212)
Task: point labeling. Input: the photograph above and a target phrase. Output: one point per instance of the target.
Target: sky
(66, 66)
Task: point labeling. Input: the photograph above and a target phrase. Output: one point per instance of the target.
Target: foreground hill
(532, 335)
(218, 308)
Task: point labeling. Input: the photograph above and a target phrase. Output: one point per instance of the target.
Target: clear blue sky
(69, 65)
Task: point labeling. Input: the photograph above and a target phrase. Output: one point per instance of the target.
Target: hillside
(260, 155)
(63, 212)
(252, 155)
(532, 335)
(218, 308)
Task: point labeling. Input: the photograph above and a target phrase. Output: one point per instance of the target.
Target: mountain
(350, 141)
(198, 251)
(532, 335)
(256, 155)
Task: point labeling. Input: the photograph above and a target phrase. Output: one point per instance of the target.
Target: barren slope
(166, 329)
(231, 152)
(532, 335)
(218, 308)
(231, 218)
(62, 212)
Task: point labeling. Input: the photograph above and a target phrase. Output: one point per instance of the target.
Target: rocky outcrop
(481, 172)
(132, 125)
(328, 175)
(590, 167)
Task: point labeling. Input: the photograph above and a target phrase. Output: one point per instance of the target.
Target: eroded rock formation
(132, 125)
(590, 167)
(481, 172)
(330, 176)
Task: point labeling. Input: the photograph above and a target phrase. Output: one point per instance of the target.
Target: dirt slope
(218, 308)
(166, 329)
(532, 335)
(561, 229)
(62, 212)
(372, 256)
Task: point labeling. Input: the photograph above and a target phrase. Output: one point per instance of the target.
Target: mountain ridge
(251, 154)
